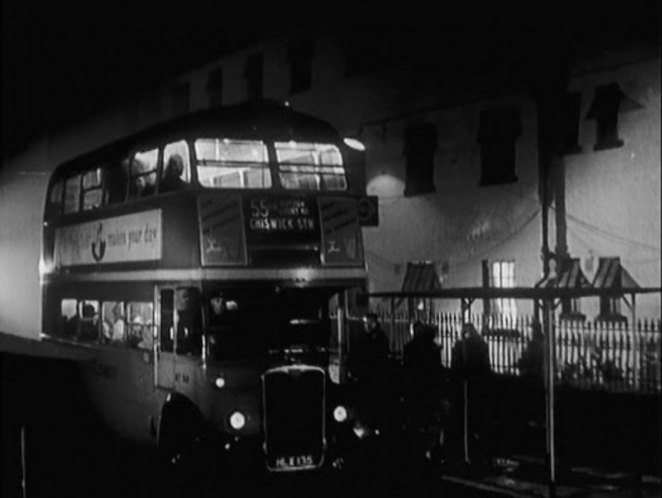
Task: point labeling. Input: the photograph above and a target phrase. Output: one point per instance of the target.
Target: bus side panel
(22, 197)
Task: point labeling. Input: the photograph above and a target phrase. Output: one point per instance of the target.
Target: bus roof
(269, 119)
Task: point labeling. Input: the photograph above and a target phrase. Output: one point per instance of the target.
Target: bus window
(232, 163)
(140, 324)
(113, 322)
(115, 177)
(167, 305)
(189, 320)
(176, 169)
(72, 194)
(88, 325)
(142, 181)
(310, 166)
(68, 317)
(92, 189)
(55, 199)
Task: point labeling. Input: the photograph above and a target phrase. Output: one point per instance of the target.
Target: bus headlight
(340, 413)
(219, 382)
(237, 420)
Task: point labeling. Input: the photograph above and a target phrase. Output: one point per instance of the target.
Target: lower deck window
(79, 319)
(112, 322)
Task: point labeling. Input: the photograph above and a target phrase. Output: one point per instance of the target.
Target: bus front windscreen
(251, 324)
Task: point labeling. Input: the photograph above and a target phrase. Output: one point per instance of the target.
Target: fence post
(548, 328)
(633, 323)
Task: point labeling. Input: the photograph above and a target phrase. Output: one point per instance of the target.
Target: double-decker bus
(199, 263)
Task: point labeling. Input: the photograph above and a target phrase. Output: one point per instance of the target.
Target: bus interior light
(237, 420)
(354, 144)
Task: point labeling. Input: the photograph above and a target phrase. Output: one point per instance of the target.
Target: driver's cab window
(188, 318)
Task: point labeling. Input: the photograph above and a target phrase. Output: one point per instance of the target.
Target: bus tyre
(180, 432)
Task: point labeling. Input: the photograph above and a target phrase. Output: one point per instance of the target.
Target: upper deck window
(72, 194)
(232, 163)
(55, 198)
(92, 192)
(176, 169)
(310, 166)
(143, 173)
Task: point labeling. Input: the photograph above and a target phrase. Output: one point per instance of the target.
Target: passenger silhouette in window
(88, 325)
(172, 176)
(189, 321)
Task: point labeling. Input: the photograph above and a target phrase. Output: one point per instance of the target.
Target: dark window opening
(215, 87)
(569, 124)
(116, 182)
(498, 132)
(254, 77)
(180, 98)
(604, 110)
(361, 54)
(420, 146)
(570, 309)
(301, 65)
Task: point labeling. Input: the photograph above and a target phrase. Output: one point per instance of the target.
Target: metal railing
(589, 354)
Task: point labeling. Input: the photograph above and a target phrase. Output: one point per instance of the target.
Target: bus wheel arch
(180, 428)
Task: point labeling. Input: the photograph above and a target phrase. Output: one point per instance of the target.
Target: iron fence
(594, 355)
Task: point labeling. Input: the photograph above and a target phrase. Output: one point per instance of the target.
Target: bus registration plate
(295, 462)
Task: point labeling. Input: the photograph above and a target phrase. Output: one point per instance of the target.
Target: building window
(604, 110)
(503, 276)
(419, 150)
(569, 123)
(180, 98)
(570, 309)
(151, 108)
(498, 132)
(254, 77)
(301, 64)
(610, 307)
(215, 87)
(362, 54)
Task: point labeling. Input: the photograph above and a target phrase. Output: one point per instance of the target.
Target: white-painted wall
(612, 196)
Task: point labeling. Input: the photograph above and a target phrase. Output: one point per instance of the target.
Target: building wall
(612, 196)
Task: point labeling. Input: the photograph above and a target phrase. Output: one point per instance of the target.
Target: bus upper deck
(247, 187)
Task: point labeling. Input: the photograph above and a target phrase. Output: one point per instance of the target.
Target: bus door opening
(165, 371)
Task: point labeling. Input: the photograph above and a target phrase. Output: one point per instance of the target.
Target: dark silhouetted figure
(532, 368)
(368, 365)
(532, 362)
(172, 177)
(422, 376)
(470, 366)
(423, 407)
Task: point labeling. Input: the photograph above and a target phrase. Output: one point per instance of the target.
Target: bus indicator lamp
(237, 420)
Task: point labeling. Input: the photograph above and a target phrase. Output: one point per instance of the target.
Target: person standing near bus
(368, 363)
(470, 367)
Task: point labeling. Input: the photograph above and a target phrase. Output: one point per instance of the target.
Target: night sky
(62, 62)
